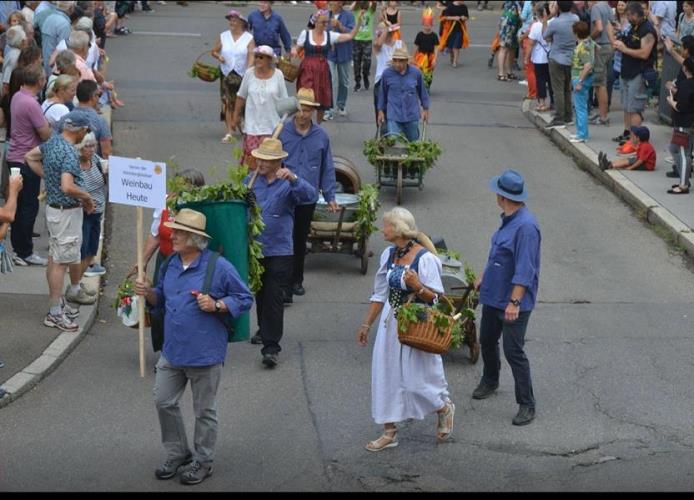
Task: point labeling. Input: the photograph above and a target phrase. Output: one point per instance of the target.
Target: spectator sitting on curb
(645, 153)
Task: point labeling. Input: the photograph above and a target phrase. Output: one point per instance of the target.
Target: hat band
(510, 191)
(188, 226)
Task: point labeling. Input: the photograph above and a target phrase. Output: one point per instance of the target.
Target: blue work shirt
(54, 29)
(193, 337)
(514, 259)
(399, 95)
(269, 31)
(310, 158)
(342, 52)
(277, 200)
(6, 8)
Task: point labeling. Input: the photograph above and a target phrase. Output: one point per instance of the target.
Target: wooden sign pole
(141, 277)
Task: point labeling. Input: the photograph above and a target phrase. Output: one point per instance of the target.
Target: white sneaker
(576, 140)
(342, 111)
(36, 260)
(81, 297)
(523, 82)
(61, 322)
(72, 313)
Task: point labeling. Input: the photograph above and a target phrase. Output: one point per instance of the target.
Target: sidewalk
(30, 350)
(645, 191)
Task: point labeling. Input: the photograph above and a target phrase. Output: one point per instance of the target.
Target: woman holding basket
(405, 382)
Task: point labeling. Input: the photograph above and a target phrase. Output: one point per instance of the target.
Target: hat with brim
(510, 185)
(306, 97)
(401, 53)
(190, 221)
(236, 14)
(270, 149)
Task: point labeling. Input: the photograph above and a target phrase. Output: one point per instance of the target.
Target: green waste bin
(227, 224)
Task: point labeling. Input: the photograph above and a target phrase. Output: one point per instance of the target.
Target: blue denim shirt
(310, 158)
(55, 28)
(193, 337)
(269, 31)
(342, 52)
(399, 95)
(277, 201)
(514, 259)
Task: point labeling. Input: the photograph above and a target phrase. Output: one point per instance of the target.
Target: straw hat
(401, 53)
(270, 149)
(189, 220)
(306, 97)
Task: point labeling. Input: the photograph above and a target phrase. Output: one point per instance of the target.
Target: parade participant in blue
(400, 95)
(195, 343)
(508, 291)
(277, 191)
(268, 28)
(308, 147)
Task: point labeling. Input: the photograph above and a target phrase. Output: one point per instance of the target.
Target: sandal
(678, 190)
(501, 78)
(512, 76)
(387, 440)
(444, 425)
(227, 139)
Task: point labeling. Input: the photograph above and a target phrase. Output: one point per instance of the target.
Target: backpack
(206, 284)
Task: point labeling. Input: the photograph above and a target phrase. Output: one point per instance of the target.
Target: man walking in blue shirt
(268, 28)
(340, 57)
(278, 191)
(195, 343)
(310, 157)
(508, 291)
(401, 91)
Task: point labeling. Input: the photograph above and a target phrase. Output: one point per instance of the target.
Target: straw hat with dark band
(306, 97)
(401, 53)
(270, 149)
(191, 221)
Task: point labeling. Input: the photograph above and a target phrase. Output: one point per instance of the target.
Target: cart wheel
(364, 254)
(398, 194)
(473, 343)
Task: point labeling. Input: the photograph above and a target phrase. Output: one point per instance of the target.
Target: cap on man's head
(75, 120)
(641, 132)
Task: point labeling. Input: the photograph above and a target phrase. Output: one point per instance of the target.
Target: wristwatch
(217, 306)
(515, 302)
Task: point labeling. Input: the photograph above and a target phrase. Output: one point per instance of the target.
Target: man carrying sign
(57, 162)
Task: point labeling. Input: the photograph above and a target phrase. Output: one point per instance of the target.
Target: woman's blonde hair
(60, 83)
(404, 225)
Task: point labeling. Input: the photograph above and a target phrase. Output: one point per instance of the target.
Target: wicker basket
(288, 69)
(206, 72)
(425, 336)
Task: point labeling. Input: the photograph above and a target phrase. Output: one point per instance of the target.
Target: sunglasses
(262, 56)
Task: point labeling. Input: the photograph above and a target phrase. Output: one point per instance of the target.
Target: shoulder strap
(165, 266)
(49, 107)
(415, 263)
(391, 257)
(211, 264)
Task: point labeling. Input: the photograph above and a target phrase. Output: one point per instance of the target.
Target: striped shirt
(94, 184)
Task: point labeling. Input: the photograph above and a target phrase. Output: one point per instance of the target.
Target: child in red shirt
(645, 153)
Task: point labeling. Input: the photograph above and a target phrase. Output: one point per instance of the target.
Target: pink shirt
(27, 118)
(85, 71)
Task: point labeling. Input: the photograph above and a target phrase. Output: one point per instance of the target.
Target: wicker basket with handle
(425, 335)
(206, 72)
(288, 69)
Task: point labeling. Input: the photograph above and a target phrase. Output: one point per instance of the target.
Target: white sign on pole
(135, 182)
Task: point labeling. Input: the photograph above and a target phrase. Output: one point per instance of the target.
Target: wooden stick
(141, 277)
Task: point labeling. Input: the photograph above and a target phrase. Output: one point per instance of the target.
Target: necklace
(401, 252)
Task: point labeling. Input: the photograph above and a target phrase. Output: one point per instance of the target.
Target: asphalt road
(609, 344)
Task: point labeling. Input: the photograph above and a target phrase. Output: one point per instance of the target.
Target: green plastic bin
(227, 224)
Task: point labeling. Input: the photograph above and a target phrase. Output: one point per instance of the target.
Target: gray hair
(84, 24)
(78, 40)
(193, 176)
(64, 59)
(15, 36)
(88, 140)
(198, 241)
(64, 5)
(402, 221)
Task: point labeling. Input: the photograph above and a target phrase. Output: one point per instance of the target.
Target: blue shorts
(91, 231)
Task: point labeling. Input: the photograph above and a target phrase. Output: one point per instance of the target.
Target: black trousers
(302, 225)
(27, 210)
(362, 61)
(270, 301)
(492, 327)
(543, 81)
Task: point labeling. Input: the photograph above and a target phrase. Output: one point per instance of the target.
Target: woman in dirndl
(314, 71)
(508, 39)
(234, 50)
(406, 383)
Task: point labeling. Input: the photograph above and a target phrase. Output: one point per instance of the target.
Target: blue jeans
(492, 326)
(340, 76)
(580, 99)
(408, 129)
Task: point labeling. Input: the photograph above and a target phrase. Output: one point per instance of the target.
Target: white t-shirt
(261, 116)
(53, 112)
(540, 51)
(383, 57)
(92, 55)
(302, 38)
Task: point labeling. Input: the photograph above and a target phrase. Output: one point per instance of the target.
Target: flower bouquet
(127, 305)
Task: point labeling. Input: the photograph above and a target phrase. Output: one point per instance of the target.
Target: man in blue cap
(508, 291)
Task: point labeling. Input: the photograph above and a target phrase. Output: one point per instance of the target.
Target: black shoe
(524, 416)
(490, 62)
(298, 289)
(35, 235)
(256, 339)
(288, 299)
(620, 138)
(366, 83)
(169, 468)
(357, 87)
(555, 124)
(483, 391)
(270, 360)
(196, 473)
(672, 174)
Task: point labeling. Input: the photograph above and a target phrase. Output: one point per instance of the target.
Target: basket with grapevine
(428, 328)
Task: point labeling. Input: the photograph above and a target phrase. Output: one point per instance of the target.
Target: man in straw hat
(401, 92)
(278, 191)
(309, 157)
(508, 291)
(195, 343)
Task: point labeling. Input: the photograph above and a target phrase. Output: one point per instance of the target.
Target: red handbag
(680, 138)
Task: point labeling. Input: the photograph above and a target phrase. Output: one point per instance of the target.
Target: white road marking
(157, 33)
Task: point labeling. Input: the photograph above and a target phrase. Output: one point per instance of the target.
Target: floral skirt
(228, 87)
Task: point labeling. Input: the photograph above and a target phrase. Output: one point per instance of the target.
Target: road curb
(646, 207)
(29, 377)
